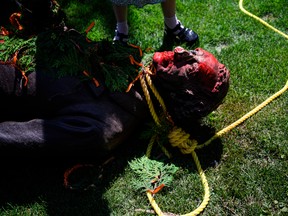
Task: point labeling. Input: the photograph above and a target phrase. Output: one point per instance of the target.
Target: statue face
(191, 77)
(193, 66)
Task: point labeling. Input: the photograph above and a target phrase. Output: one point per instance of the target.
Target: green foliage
(65, 51)
(150, 174)
(115, 64)
(25, 48)
(69, 53)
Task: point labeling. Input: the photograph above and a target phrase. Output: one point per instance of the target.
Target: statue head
(193, 83)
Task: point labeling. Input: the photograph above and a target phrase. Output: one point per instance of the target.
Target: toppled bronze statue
(69, 99)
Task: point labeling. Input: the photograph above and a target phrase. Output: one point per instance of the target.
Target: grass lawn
(246, 168)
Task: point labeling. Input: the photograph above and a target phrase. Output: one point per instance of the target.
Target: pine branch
(150, 174)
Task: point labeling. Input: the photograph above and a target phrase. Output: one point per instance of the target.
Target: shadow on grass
(36, 176)
(30, 177)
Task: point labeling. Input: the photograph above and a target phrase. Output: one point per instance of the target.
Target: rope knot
(179, 138)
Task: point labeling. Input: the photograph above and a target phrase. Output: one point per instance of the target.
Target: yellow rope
(155, 92)
(179, 138)
(246, 116)
(260, 20)
(148, 100)
(150, 145)
(206, 197)
(154, 204)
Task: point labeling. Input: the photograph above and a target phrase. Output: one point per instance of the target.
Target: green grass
(246, 168)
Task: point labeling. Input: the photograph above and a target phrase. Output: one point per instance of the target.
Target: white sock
(171, 22)
(122, 27)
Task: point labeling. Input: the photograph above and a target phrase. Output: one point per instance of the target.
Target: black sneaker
(120, 38)
(182, 34)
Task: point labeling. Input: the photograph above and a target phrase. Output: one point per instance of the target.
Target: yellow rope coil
(179, 138)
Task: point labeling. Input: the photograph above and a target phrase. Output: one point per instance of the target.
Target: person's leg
(169, 12)
(121, 31)
(173, 26)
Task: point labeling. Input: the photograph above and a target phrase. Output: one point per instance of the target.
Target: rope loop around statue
(179, 138)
